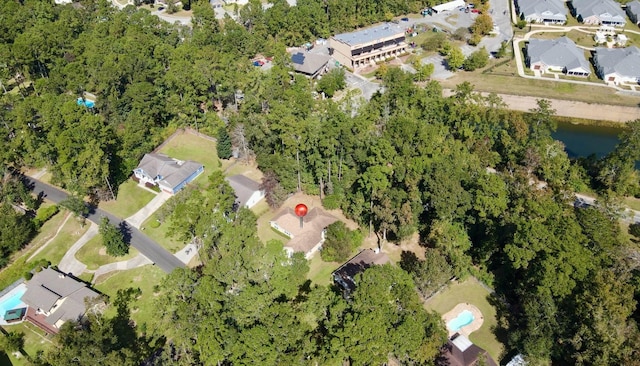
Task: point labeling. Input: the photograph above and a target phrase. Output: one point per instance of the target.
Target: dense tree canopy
(461, 173)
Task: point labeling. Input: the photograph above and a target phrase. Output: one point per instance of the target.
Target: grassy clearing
(633, 203)
(70, 233)
(145, 278)
(94, 254)
(580, 38)
(515, 85)
(187, 146)
(130, 199)
(251, 171)
(160, 235)
(34, 340)
(320, 271)
(471, 291)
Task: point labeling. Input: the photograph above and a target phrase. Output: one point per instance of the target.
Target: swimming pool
(12, 300)
(464, 318)
(86, 102)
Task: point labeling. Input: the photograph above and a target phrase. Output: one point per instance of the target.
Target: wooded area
(409, 161)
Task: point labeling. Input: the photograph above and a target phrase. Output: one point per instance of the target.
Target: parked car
(258, 63)
(475, 11)
(405, 19)
(161, 8)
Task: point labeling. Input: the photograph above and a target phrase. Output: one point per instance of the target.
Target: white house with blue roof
(368, 46)
(543, 11)
(170, 175)
(559, 55)
(618, 65)
(606, 12)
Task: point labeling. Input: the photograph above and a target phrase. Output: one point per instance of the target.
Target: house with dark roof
(542, 11)
(559, 55)
(460, 351)
(309, 64)
(368, 46)
(344, 276)
(633, 11)
(55, 298)
(170, 175)
(606, 12)
(248, 192)
(618, 65)
(306, 238)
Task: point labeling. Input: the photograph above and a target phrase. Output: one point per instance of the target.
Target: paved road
(149, 248)
(630, 216)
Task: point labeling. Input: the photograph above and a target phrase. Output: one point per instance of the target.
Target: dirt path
(568, 108)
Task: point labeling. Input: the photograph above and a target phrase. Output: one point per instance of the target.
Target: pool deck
(8, 295)
(466, 330)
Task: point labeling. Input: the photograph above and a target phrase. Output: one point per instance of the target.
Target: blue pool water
(87, 103)
(464, 318)
(12, 302)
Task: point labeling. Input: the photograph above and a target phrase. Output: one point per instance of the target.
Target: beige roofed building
(368, 46)
(308, 238)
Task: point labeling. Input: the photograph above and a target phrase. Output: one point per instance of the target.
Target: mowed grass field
(187, 146)
(145, 278)
(94, 254)
(129, 200)
(472, 292)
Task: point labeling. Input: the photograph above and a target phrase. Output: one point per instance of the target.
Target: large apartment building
(368, 46)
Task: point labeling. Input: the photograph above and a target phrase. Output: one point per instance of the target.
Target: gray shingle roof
(606, 10)
(633, 7)
(547, 9)
(244, 188)
(368, 35)
(172, 171)
(622, 61)
(49, 286)
(308, 63)
(560, 52)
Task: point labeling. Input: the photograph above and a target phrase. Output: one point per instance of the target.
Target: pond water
(584, 140)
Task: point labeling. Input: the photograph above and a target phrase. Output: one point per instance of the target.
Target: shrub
(331, 82)
(340, 242)
(44, 214)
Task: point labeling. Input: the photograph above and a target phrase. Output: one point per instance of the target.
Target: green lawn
(320, 271)
(187, 146)
(130, 199)
(34, 340)
(471, 291)
(510, 83)
(145, 278)
(159, 234)
(70, 233)
(93, 254)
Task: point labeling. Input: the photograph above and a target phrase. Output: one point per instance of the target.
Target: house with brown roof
(307, 238)
(170, 175)
(344, 276)
(460, 351)
(309, 64)
(55, 298)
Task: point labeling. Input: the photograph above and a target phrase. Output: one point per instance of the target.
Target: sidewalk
(69, 263)
(144, 213)
(137, 261)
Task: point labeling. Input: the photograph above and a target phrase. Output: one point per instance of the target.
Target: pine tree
(224, 144)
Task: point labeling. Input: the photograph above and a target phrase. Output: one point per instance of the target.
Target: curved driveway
(148, 247)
